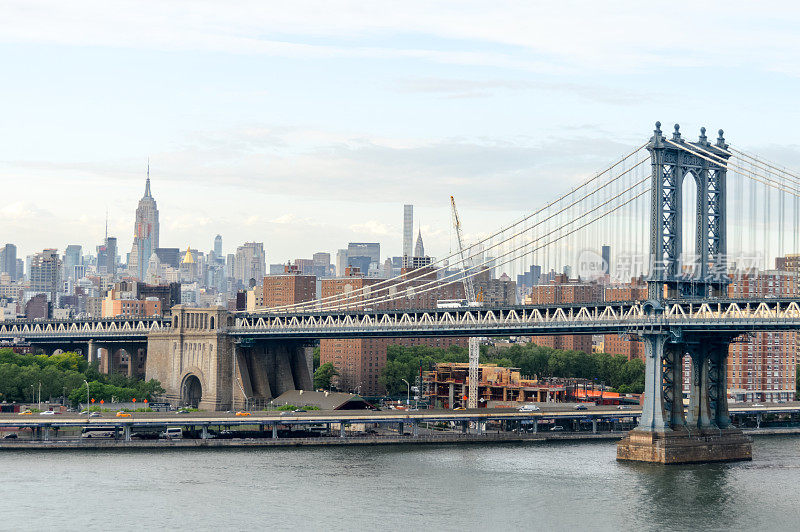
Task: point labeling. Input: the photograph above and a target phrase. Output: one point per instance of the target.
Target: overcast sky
(307, 125)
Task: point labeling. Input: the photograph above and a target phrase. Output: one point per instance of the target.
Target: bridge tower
(666, 433)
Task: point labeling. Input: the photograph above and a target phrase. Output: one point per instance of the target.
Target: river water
(450, 487)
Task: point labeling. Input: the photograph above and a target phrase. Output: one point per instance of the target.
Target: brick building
(617, 344)
(360, 361)
(565, 291)
(131, 308)
(762, 366)
(289, 288)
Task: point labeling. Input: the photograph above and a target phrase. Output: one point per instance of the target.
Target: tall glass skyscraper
(408, 232)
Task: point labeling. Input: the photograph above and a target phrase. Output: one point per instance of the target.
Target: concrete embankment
(430, 439)
(281, 442)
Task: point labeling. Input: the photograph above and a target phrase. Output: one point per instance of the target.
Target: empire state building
(145, 233)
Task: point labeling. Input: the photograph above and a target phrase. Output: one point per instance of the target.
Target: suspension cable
(479, 251)
(727, 164)
(457, 277)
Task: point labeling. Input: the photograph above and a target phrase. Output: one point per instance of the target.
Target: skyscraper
(218, 246)
(145, 232)
(45, 272)
(72, 258)
(341, 262)
(365, 249)
(111, 250)
(8, 261)
(419, 249)
(606, 254)
(250, 263)
(408, 230)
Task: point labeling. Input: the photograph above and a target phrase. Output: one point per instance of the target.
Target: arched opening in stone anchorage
(211, 323)
(191, 391)
(689, 265)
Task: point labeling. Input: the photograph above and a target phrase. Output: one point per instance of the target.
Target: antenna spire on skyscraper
(147, 185)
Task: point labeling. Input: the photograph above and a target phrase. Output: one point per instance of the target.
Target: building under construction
(447, 386)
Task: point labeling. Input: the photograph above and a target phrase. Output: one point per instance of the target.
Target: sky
(308, 125)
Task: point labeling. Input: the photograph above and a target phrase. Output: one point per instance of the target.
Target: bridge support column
(653, 411)
(341, 429)
(274, 431)
(204, 433)
(91, 352)
(705, 435)
(415, 428)
(126, 432)
(594, 426)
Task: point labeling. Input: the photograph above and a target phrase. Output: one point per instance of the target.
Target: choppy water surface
(554, 486)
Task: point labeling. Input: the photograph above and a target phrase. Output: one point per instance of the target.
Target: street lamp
(408, 394)
(88, 402)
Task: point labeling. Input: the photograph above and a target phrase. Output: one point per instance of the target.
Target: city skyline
(293, 129)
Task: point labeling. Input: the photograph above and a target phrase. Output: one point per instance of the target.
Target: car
(123, 414)
(284, 413)
(182, 411)
(557, 428)
(301, 410)
(459, 408)
(84, 412)
(94, 414)
(26, 413)
(12, 436)
(241, 414)
(47, 413)
(528, 408)
(172, 433)
(581, 407)
(757, 404)
(623, 407)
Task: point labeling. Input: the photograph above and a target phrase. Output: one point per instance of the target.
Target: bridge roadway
(695, 316)
(556, 411)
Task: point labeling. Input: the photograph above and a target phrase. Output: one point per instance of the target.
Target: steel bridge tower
(666, 433)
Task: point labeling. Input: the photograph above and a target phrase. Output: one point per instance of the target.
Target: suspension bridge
(672, 231)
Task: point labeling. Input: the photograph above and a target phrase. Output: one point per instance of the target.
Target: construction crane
(469, 289)
(469, 292)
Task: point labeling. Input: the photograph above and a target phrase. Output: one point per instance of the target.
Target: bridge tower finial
(721, 140)
(703, 138)
(676, 135)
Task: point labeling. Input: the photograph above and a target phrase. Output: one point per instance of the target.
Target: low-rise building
(446, 386)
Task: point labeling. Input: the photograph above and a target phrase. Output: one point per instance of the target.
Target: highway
(548, 411)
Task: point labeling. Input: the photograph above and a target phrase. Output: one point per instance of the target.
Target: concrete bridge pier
(664, 434)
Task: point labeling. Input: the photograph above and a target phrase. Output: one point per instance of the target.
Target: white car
(529, 408)
(47, 413)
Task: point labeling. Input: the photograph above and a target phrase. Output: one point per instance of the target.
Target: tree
(391, 378)
(324, 375)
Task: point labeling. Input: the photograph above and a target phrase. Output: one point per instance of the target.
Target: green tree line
(64, 375)
(625, 376)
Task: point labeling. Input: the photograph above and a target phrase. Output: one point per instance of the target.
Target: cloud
(468, 88)
(373, 227)
(490, 173)
(534, 36)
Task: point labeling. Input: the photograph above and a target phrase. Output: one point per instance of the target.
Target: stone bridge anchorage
(200, 363)
(198, 355)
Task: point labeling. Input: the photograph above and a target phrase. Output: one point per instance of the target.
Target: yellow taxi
(123, 414)
(26, 413)
(242, 413)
